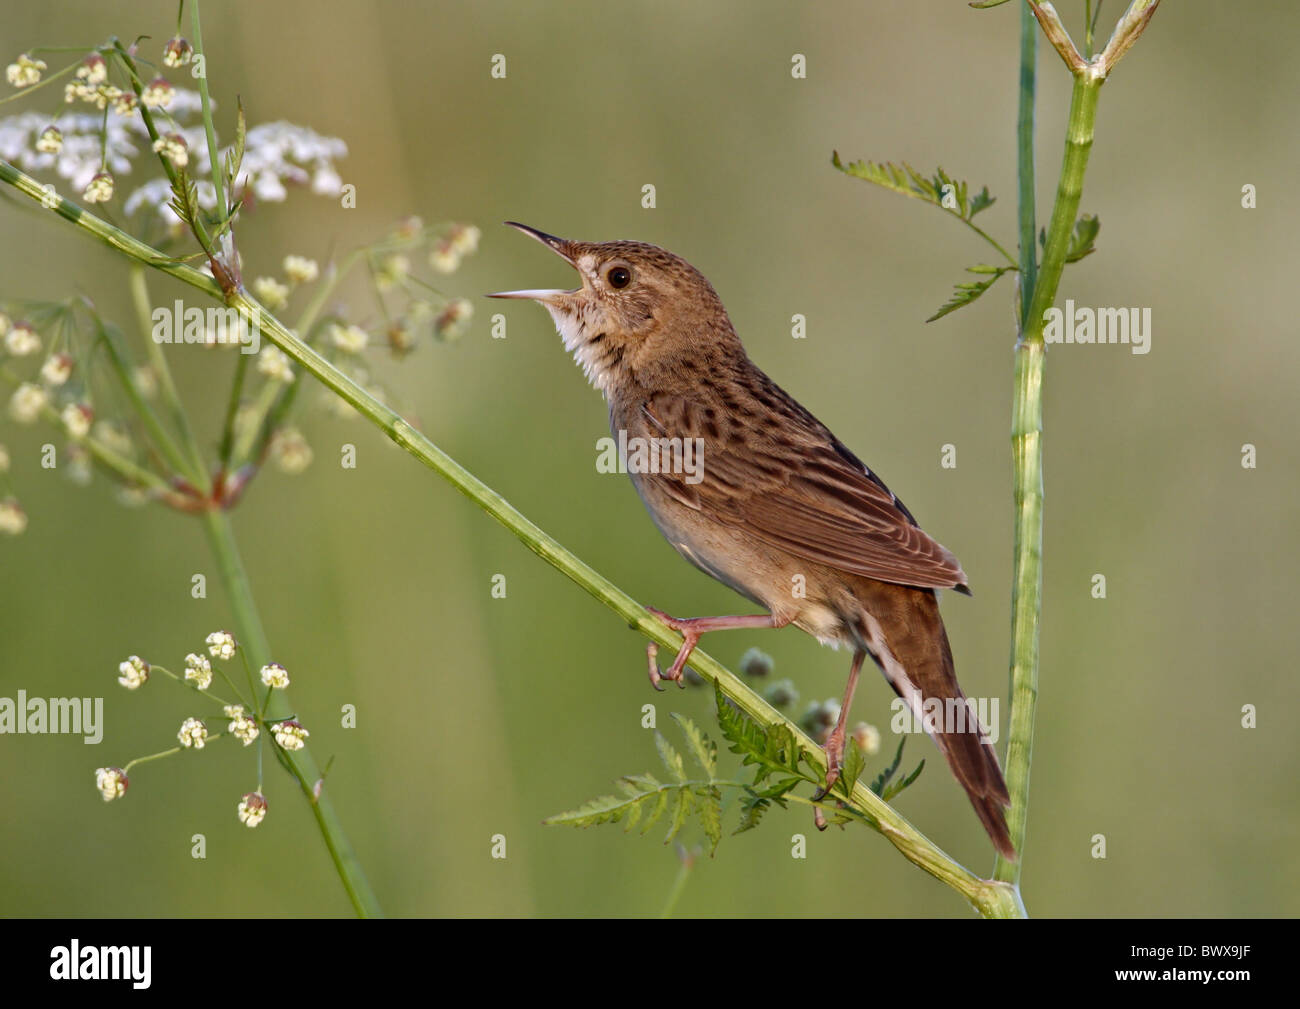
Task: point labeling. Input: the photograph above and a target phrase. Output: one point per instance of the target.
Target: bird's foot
(834, 762)
(677, 671)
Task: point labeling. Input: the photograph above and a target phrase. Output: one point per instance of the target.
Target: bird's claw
(656, 676)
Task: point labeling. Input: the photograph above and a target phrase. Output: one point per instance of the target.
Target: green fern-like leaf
(671, 758)
(882, 784)
(708, 808)
(892, 790)
(1082, 239)
(855, 761)
(770, 749)
(645, 800)
(702, 748)
(906, 180)
(756, 802)
(967, 291)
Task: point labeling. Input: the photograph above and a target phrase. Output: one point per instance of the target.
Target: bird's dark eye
(619, 277)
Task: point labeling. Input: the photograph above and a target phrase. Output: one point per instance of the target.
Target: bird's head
(639, 311)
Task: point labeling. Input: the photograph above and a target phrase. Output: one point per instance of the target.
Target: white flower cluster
(277, 155)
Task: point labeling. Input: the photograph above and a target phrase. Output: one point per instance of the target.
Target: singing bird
(775, 506)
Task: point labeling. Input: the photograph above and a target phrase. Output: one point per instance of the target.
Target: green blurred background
(479, 716)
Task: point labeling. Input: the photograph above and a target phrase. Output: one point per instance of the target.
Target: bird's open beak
(559, 246)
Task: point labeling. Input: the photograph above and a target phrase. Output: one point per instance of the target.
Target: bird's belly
(786, 586)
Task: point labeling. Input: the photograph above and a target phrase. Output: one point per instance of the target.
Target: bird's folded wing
(797, 489)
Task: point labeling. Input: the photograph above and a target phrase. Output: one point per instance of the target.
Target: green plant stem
(197, 470)
(1026, 211)
(1027, 458)
(166, 446)
(214, 158)
(678, 887)
(989, 897)
(252, 636)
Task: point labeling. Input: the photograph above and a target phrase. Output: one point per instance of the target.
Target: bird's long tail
(904, 633)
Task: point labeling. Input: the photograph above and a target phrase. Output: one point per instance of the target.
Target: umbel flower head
(221, 645)
(193, 733)
(198, 670)
(133, 673)
(24, 71)
(275, 675)
(252, 809)
(111, 782)
(290, 735)
(241, 726)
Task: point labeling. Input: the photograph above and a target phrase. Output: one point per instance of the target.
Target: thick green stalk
(1027, 457)
(252, 637)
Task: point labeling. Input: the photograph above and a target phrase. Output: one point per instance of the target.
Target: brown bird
(752, 489)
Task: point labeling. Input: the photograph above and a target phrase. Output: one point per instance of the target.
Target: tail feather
(904, 633)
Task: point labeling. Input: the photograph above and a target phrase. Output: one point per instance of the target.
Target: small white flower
(349, 339)
(274, 364)
(145, 380)
(77, 418)
(173, 148)
(22, 340)
(111, 436)
(50, 141)
(444, 258)
(198, 670)
(111, 782)
(252, 809)
(76, 464)
(300, 269)
(133, 673)
(241, 726)
(275, 675)
(13, 520)
(158, 93)
(193, 733)
(392, 271)
(124, 104)
(271, 291)
(99, 189)
(291, 451)
(57, 369)
(27, 402)
(177, 52)
(464, 239)
(24, 71)
(93, 69)
(289, 735)
(221, 644)
(451, 320)
(868, 738)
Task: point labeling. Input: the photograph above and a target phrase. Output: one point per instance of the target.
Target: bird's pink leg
(835, 742)
(691, 629)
